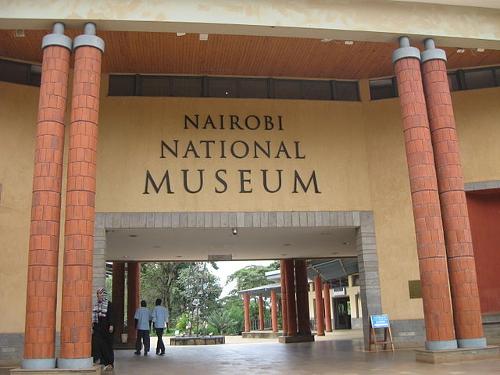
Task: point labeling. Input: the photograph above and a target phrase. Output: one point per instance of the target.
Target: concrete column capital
(405, 50)
(431, 52)
(57, 38)
(88, 38)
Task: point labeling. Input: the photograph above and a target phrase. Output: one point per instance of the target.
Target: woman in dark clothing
(102, 331)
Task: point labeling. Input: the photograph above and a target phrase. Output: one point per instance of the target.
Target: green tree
(251, 276)
(221, 321)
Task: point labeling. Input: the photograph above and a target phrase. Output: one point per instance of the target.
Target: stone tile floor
(334, 354)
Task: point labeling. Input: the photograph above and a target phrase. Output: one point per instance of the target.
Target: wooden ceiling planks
(237, 55)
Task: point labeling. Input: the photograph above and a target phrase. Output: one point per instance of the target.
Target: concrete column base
(95, 370)
(260, 335)
(294, 339)
(457, 355)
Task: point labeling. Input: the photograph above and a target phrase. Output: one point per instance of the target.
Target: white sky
(227, 268)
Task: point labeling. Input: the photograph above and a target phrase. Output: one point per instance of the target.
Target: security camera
(235, 231)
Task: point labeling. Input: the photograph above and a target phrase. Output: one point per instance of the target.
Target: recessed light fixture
(287, 244)
(326, 40)
(132, 235)
(234, 231)
(181, 34)
(178, 256)
(203, 37)
(480, 50)
(156, 247)
(347, 243)
(348, 42)
(284, 255)
(460, 50)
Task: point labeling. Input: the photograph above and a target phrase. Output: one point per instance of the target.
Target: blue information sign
(379, 321)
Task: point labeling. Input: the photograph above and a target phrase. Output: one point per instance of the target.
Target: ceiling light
(460, 50)
(326, 40)
(20, 33)
(480, 50)
(346, 243)
(181, 34)
(132, 235)
(287, 244)
(203, 37)
(283, 255)
(348, 42)
(235, 231)
(178, 256)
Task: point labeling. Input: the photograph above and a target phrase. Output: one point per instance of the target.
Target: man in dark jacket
(102, 331)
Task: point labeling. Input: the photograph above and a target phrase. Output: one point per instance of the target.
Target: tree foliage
(251, 276)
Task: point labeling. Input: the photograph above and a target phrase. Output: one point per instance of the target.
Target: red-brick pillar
(77, 293)
(290, 299)
(302, 293)
(118, 298)
(461, 264)
(328, 308)
(320, 319)
(246, 311)
(284, 314)
(431, 250)
(41, 297)
(133, 296)
(261, 313)
(274, 311)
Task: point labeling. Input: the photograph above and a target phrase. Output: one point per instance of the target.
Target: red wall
(484, 214)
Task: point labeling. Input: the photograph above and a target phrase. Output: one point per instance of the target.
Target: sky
(227, 268)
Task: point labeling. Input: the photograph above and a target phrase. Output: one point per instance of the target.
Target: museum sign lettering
(195, 181)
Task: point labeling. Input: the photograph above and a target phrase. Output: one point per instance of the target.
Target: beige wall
(356, 149)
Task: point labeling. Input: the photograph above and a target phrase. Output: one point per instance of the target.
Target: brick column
(274, 311)
(328, 309)
(302, 286)
(77, 293)
(246, 311)
(261, 313)
(320, 319)
(431, 250)
(284, 314)
(290, 299)
(458, 238)
(118, 298)
(133, 291)
(41, 297)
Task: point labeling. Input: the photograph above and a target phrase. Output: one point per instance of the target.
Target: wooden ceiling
(236, 55)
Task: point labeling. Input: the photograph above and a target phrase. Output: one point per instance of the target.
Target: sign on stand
(380, 322)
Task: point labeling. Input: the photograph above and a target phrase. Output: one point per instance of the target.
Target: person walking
(142, 319)
(102, 331)
(160, 321)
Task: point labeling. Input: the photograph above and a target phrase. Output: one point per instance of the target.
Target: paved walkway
(341, 353)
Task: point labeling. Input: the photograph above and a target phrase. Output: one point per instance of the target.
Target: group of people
(103, 329)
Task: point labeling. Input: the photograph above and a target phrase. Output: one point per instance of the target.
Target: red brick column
(328, 308)
(133, 291)
(284, 314)
(246, 311)
(274, 311)
(80, 203)
(302, 293)
(431, 250)
(290, 299)
(320, 319)
(41, 298)
(461, 264)
(261, 313)
(118, 298)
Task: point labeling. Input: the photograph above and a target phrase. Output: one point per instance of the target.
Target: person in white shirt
(142, 324)
(160, 321)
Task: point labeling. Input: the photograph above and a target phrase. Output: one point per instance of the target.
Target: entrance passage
(342, 313)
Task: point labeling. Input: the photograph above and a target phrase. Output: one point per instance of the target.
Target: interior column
(118, 301)
(76, 318)
(41, 297)
(246, 311)
(302, 286)
(320, 319)
(261, 313)
(328, 309)
(133, 290)
(274, 311)
(284, 314)
(290, 299)
(431, 250)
